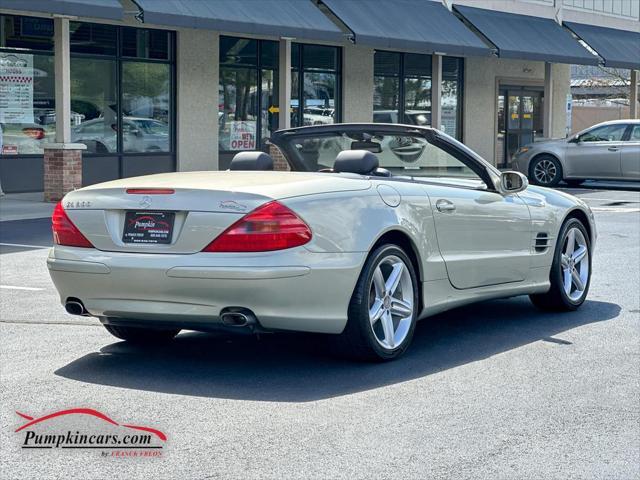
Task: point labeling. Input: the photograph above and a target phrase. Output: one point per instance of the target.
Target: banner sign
(242, 135)
(16, 88)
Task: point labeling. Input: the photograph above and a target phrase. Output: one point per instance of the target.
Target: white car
(354, 250)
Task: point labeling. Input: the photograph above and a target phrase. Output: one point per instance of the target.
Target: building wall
(482, 76)
(621, 14)
(357, 67)
(197, 104)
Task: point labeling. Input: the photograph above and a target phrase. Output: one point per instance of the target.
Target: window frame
(120, 60)
(627, 137)
(623, 138)
(402, 76)
(301, 70)
(258, 68)
(30, 51)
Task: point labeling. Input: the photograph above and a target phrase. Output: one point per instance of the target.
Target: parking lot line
(13, 287)
(23, 245)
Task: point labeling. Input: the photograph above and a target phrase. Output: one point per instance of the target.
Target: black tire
(358, 340)
(543, 160)
(141, 335)
(556, 299)
(574, 183)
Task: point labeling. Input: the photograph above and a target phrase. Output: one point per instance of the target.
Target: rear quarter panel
(355, 221)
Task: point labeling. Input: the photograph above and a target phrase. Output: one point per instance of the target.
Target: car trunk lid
(183, 212)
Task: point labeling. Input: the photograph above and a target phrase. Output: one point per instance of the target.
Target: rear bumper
(289, 290)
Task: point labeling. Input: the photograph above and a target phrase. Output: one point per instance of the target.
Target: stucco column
(633, 98)
(284, 85)
(357, 91)
(436, 91)
(548, 100)
(198, 69)
(62, 64)
(62, 159)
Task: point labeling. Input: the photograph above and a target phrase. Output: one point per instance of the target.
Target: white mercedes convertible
(373, 228)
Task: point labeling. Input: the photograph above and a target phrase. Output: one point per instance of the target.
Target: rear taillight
(269, 227)
(65, 232)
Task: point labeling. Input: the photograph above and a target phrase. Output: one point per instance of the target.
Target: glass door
(519, 121)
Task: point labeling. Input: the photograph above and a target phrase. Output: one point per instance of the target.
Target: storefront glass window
(248, 93)
(93, 38)
(94, 112)
(151, 44)
(269, 97)
(240, 120)
(315, 85)
(26, 33)
(451, 102)
(134, 116)
(27, 85)
(402, 90)
(146, 89)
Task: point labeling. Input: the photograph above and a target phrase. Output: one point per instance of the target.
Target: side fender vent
(542, 242)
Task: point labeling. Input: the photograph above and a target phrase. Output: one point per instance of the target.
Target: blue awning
(618, 48)
(410, 25)
(282, 18)
(526, 37)
(106, 9)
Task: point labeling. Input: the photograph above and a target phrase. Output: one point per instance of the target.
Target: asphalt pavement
(497, 390)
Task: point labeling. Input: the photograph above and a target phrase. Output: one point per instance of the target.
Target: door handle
(613, 149)
(445, 206)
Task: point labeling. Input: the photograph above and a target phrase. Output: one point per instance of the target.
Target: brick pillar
(279, 161)
(62, 169)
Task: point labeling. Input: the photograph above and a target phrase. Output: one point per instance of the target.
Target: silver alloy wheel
(545, 171)
(391, 302)
(575, 264)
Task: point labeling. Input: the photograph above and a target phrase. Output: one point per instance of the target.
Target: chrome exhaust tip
(237, 317)
(75, 307)
(234, 319)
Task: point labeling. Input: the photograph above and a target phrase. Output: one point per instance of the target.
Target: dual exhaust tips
(230, 316)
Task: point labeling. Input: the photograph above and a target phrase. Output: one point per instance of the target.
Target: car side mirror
(512, 182)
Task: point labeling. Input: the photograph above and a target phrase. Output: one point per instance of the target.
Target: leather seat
(251, 161)
(362, 162)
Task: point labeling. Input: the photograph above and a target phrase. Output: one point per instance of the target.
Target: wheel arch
(579, 214)
(404, 241)
(546, 153)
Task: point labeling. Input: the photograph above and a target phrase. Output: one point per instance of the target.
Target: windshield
(401, 154)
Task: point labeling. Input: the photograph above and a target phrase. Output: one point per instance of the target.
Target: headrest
(356, 161)
(251, 161)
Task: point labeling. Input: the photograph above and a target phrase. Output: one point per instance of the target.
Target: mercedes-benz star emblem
(145, 202)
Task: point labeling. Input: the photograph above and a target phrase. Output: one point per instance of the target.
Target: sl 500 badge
(78, 204)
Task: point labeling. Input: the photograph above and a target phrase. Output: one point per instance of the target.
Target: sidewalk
(24, 206)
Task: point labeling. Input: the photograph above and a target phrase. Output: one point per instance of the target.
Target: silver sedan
(607, 151)
(376, 227)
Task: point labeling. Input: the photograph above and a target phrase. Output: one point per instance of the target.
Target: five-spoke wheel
(571, 269)
(575, 264)
(391, 302)
(383, 308)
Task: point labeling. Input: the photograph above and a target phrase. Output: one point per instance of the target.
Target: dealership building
(94, 90)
